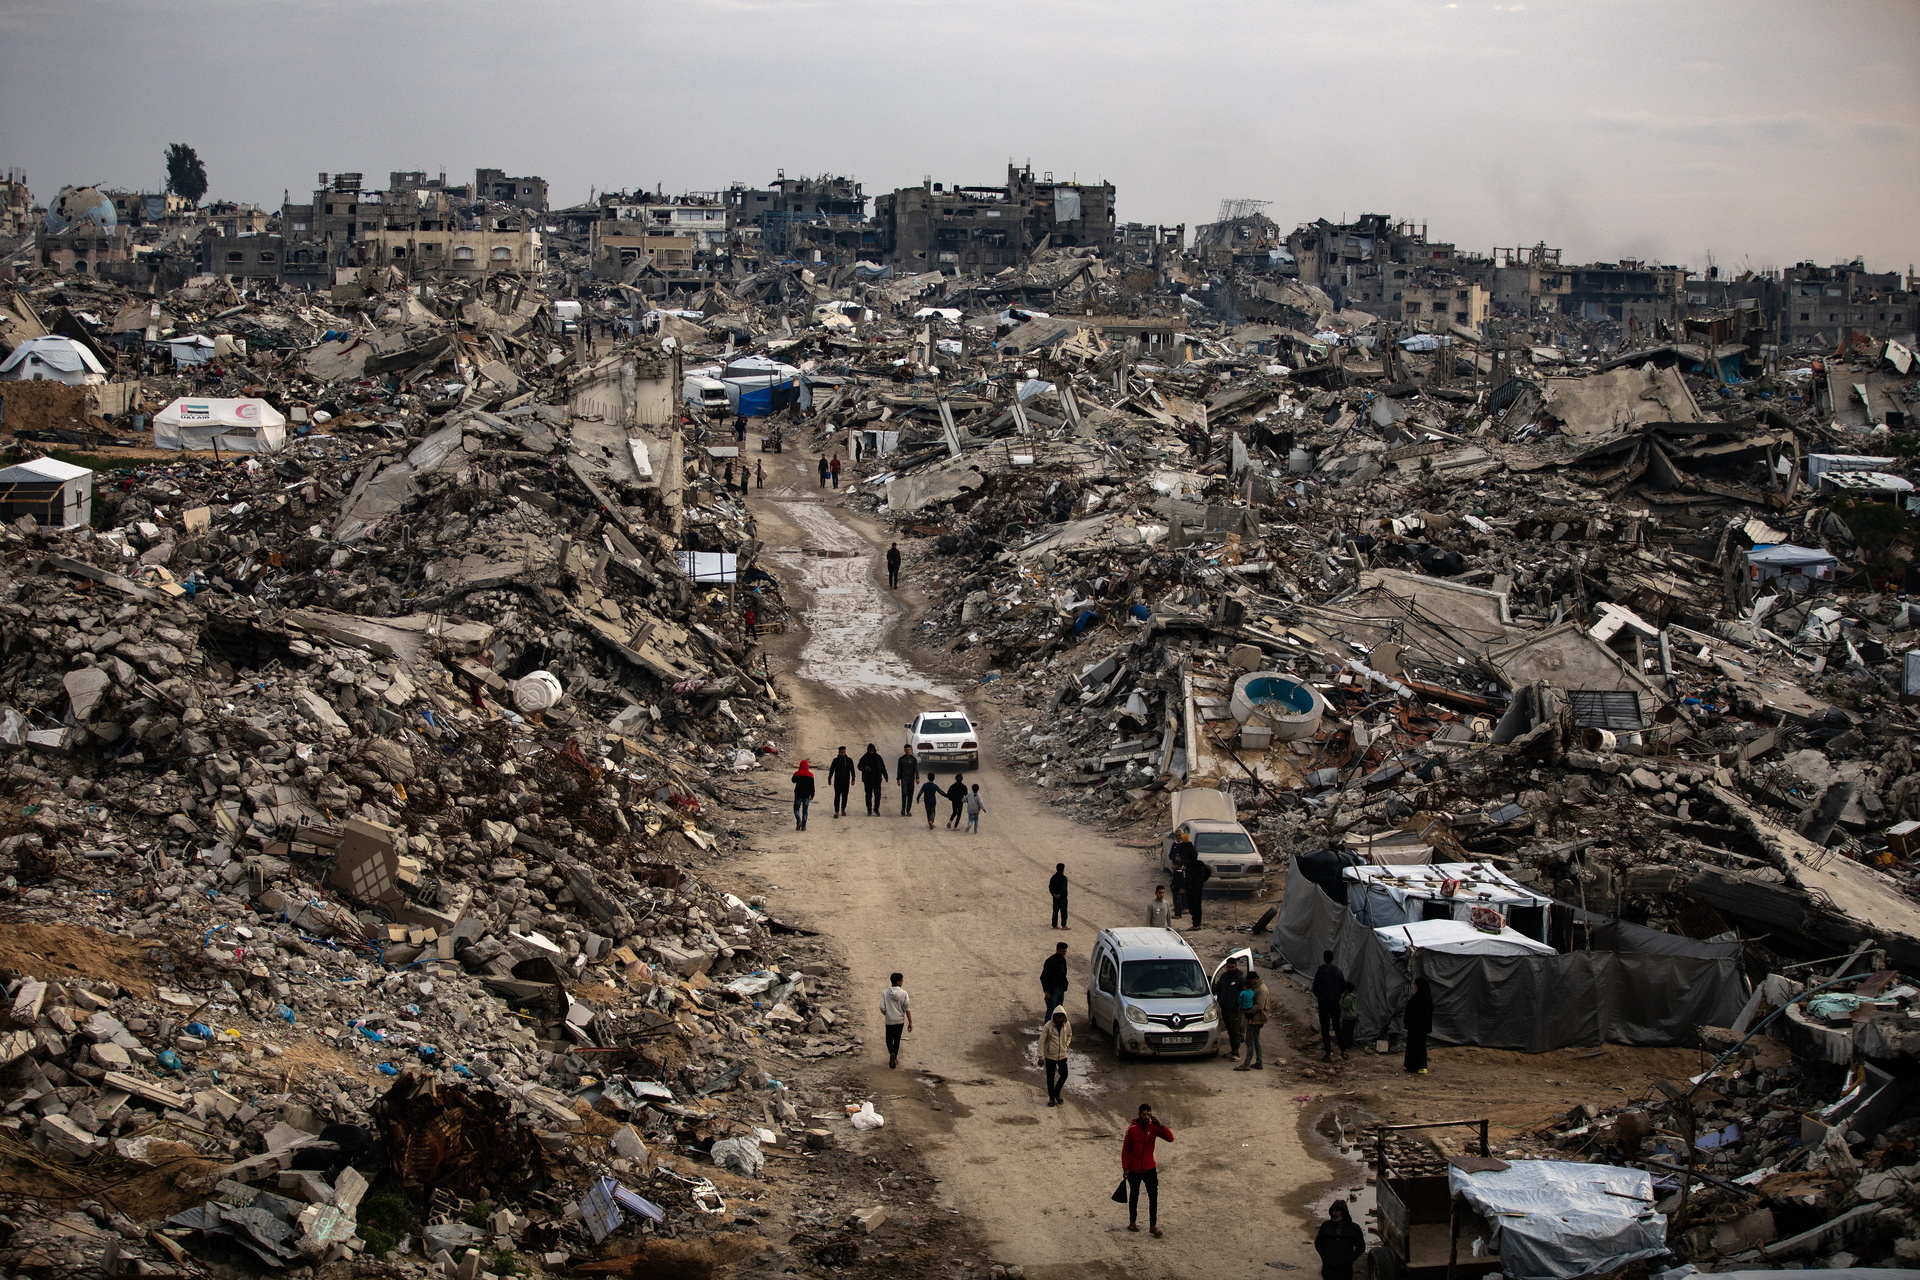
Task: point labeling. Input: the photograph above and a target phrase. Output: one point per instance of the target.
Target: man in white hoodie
(1056, 1037)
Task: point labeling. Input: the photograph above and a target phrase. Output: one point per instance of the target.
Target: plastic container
(537, 691)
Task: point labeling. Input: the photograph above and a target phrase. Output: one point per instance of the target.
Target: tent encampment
(235, 426)
(1605, 981)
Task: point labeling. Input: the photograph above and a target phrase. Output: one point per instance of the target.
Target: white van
(704, 394)
(1146, 988)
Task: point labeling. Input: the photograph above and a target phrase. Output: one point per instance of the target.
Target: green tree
(186, 173)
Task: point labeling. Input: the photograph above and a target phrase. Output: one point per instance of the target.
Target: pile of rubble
(389, 771)
(364, 878)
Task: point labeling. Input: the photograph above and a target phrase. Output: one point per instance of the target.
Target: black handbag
(1120, 1192)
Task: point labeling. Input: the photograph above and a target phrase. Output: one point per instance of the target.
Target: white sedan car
(944, 737)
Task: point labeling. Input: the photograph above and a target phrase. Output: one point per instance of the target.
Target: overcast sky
(1764, 132)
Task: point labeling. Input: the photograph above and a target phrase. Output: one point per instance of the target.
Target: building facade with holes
(453, 252)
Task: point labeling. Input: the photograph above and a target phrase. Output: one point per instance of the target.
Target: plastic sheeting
(1459, 938)
(1553, 1220)
(1637, 986)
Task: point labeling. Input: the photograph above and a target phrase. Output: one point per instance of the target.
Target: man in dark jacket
(893, 565)
(1328, 984)
(1226, 990)
(873, 772)
(840, 774)
(907, 770)
(1198, 873)
(957, 793)
(823, 473)
(1053, 978)
(1057, 889)
(1339, 1242)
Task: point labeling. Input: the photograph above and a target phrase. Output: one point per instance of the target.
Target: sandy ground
(964, 917)
(1257, 1156)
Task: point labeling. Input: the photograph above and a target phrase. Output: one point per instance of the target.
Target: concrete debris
(377, 763)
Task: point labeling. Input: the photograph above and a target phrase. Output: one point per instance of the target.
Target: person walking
(1349, 1016)
(836, 470)
(1328, 984)
(930, 796)
(1139, 1168)
(974, 806)
(896, 1010)
(957, 794)
(840, 777)
(907, 770)
(1198, 873)
(873, 775)
(1226, 993)
(1340, 1243)
(1057, 890)
(1256, 1005)
(802, 795)
(1055, 1039)
(1419, 1025)
(1159, 911)
(759, 475)
(1053, 978)
(823, 473)
(893, 565)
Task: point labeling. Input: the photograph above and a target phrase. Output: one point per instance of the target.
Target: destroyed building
(377, 774)
(976, 230)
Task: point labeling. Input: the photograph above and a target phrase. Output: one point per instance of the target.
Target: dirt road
(964, 917)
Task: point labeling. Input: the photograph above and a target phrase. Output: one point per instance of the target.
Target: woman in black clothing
(1419, 1023)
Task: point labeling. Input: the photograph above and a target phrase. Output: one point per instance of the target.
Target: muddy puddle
(847, 649)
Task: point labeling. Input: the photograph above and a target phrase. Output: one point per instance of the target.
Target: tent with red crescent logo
(236, 426)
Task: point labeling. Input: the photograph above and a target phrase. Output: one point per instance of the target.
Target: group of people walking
(872, 769)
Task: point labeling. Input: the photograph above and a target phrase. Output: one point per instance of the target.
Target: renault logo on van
(1177, 1021)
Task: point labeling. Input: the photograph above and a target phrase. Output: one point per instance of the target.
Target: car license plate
(1179, 1039)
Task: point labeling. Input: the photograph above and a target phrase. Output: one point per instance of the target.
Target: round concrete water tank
(1291, 708)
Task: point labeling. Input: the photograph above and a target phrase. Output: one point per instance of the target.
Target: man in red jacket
(1136, 1161)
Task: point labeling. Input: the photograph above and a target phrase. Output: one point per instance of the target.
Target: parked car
(1208, 818)
(1148, 990)
(944, 737)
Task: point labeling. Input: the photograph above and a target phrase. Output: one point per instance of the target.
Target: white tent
(53, 359)
(54, 493)
(237, 426)
(193, 348)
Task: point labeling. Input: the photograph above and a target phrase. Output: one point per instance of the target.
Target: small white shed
(57, 494)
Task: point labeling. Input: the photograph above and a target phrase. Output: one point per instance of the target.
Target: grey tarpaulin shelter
(1634, 986)
(1555, 1220)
